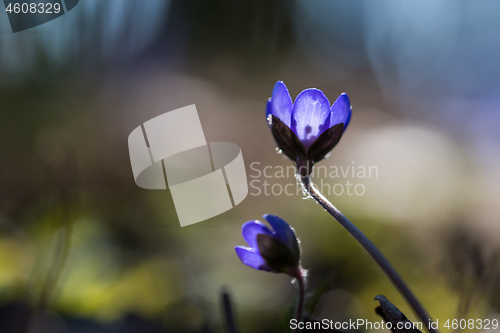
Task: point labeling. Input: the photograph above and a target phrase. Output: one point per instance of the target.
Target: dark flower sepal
(287, 141)
(292, 147)
(325, 143)
(277, 255)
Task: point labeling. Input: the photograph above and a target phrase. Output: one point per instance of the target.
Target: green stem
(372, 250)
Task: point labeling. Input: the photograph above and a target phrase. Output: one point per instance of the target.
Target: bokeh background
(83, 249)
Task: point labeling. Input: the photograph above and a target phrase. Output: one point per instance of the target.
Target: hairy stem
(300, 300)
(372, 250)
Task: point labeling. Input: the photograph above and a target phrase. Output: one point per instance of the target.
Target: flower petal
(281, 103)
(310, 115)
(251, 229)
(251, 258)
(284, 232)
(340, 112)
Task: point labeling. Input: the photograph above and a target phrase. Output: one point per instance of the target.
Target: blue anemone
(275, 250)
(309, 128)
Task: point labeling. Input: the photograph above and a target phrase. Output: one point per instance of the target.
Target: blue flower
(275, 250)
(309, 128)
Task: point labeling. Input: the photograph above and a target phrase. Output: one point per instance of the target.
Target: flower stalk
(299, 278)
(374, 252)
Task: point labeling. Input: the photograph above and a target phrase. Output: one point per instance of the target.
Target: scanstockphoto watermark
(335, 180)
(352, 325)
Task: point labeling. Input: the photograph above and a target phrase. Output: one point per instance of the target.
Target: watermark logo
(332, 180)
(26, 14)
(205, 179)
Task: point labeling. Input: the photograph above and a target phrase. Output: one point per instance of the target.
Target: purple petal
(251, 229)
(310, 116)
(251, 257)
(281, 103)
(284, 232)
(340, 111)
(282, 229)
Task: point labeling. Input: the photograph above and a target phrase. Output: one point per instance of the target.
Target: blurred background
(83, 249)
